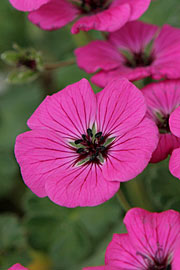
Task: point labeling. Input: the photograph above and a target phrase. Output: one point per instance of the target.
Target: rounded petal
(174, 122)
(102, 78)
(134, 36)
(53, 15)
(174, 163)
(166, 53)
(69, 112)
(40, 153)
(98, 55)
(116, 107)
(138, 7)
(17, 266)
(109, 20)
(80, 186)
(131, 152)
(167, 143)
(27, 5)
(150, 231)
(121, 253)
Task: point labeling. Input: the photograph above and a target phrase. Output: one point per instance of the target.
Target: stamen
(80, 150)
(89, 132)
(98, 135)
(84, 137)
(78, 141)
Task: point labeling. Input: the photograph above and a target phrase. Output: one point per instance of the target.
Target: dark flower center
(138, 60)
(159, 262)
(93, 6)
(92, 147)
(163, 123)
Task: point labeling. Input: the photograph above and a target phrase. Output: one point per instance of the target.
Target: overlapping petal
(108, 20)
(174, 122)
(54, 14)
(69, 112)
(174, 163)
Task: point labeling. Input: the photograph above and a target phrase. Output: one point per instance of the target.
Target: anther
(89, 132)
(78, 141)
(80, 150)
(84, 137)
(98, 135)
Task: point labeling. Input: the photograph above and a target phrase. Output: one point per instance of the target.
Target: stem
(138, 194)
(122, 199)
(51, 66)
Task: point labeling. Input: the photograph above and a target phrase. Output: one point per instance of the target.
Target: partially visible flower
(103, 15)
(174, 123)
(162, 99)
(83, 145)
(152, 243)
(136, 51)
(17, 266)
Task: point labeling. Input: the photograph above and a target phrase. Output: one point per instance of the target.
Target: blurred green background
(33, 231)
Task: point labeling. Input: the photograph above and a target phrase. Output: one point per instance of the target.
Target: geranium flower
(83, 145)
(174, 162)
(162, 99)
(136, 51)
(151, 243)
(103, 15)
(17, 266)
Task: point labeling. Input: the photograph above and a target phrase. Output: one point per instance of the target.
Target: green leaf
(22, 76)
(10, 57)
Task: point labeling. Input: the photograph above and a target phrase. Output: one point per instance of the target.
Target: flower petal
(98, 54)
(138, 7)
(40, 153)
(120, 253)
(174, 122)
(131, 152)
(109, 20)
(53, 15)
(80, 186)
(17, 266)
(28, 5)
(134, 36)
(102, 78)
(105, 267)
(174, 163)
(116, 107)
(69, 112)
(151, 232)
(167, 143)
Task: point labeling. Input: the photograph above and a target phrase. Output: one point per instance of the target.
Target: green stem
(137, 194)
(122, 199)
(51, 66)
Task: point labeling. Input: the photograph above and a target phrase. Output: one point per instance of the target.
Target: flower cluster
(82, 145)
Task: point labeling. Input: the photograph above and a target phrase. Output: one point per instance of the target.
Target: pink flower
(127, 53)
(152, 243)
(162, 99)
(17, 266)
(101, 15)
(83, 145)
(174, 123)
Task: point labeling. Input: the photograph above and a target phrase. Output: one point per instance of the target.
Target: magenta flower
(101, 15)
(174, 123)
(129, 53)
(17, 266)
(162, 99)
(83, 145)
(152, 243)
